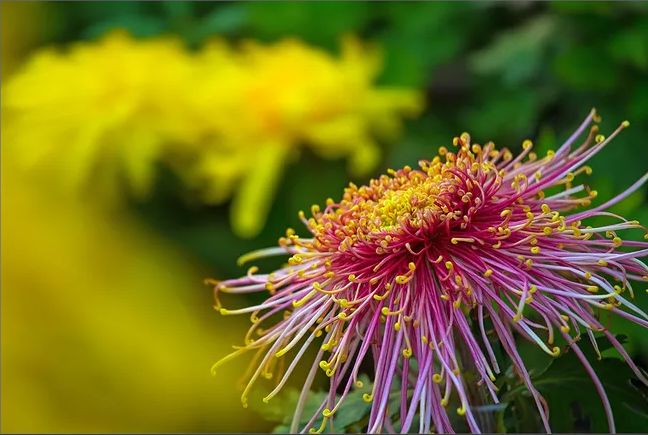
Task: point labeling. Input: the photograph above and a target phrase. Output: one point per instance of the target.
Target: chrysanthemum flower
(97, 116)
(275, 99)
(100, 116)
(433, 264)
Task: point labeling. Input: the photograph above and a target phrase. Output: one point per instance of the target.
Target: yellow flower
(97, 114)
(281, 96)
(100, 116)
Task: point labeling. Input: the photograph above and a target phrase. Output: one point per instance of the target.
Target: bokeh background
(106, 323)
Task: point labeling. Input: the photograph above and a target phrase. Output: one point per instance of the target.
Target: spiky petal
(433, 265)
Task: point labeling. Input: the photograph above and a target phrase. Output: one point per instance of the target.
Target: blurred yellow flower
(97, 114)
(281, 96)
(227, 119)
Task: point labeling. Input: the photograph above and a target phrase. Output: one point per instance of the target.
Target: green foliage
(281, 409)
(574, 404)
(316, 22)
(516, 55)
(419, 38)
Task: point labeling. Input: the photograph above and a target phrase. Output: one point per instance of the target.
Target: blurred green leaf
(505, 115)
(546, 141)
(139, 26)
(301, 195)
(108, 10)
(638, 107)
(628, 206)
(420, 36)
(631, 45)
(602, 8)
(178, 9)
(281, 408)
(222, 20)
(316, 21)
(583, 69)
(516, 55)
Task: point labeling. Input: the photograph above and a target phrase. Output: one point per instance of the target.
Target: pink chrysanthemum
(433, 264)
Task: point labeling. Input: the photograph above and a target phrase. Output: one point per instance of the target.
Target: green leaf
(506, 115)
(419, 37)
(583, 69)
(638, 106)
(222, 20)
(316, 22)
(137, 25)
(574, 404)
(516, 55)
(354, 408)
(282, 407)
(582, 7)
(631, 45)
(178, 10)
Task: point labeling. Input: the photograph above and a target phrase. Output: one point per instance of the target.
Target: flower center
(405, 205)
(415, 205)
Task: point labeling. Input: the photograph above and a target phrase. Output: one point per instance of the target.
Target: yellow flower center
(407, 203)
